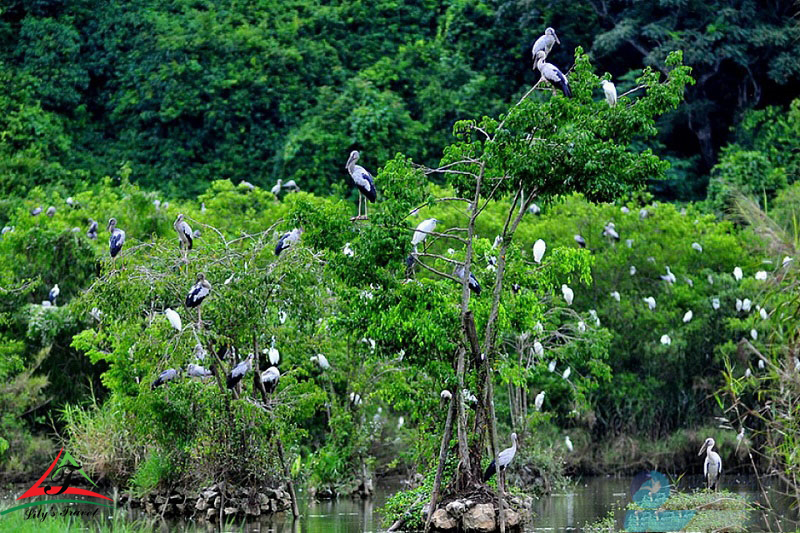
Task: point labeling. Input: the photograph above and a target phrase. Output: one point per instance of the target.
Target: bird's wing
(705, 467)
(362, 178)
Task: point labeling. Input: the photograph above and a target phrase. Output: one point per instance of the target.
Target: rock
(218, 502)
(230, 510)
(456, 508)
(160, 500)
(263, 502)
(512, 518)
(211, 514)
(442, 521)
(480, 519)
(180, 507)
(201, 504)
(469, 504)
(252, 509)
(175, 498)
(209, 494)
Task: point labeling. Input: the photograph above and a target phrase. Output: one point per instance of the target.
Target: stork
(712, 466)
(117, 238)
(539, 247)
(276, 189)
(238, 372)
(53, 294)
(544, 43)
(696, 246)
(92, 231)
(580, 240)
(610, 91)
(504, 458)
(287, 240)
(184, 232)
(51, 211)
(198, 371)
(270, 378)
(362, 180)
(198, 292)
(422, 231)
(291, 185)
(474, 286)
(166, 375)
(36, 211)
(551, 73)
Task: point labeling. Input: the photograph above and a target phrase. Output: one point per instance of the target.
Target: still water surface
(585, 502)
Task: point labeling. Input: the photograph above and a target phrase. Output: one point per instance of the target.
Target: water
(586, 501)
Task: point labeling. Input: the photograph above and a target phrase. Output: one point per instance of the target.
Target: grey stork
(198, 292)
(551, 73)
(504, 458)
(580, 240)
(239, 372)
(92, 231)
(117, 238)
(287, 240)
(166, 375)
(362, 180)
(198, 371)
(270, 378)
(184, 232)
(36, 211)
(474, 286)
(712, 466)
(54, 292)
(51, 211)
(544, 44)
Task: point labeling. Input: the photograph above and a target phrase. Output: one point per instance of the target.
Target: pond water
(586, 501)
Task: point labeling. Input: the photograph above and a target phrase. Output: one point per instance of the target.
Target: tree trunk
(496, 452)
(437, 482)
(289, 484)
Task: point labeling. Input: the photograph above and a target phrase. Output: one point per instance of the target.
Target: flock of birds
(364, 182)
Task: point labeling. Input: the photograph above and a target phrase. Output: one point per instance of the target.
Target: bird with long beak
(712, 467)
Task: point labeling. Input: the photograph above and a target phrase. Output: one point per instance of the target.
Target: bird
(737, 274)
(593, 314)
(610, 91)
(651, 302)
(474, 286)
(748, 373)
(633, 270)
(363, 181)
(71, 202)
(738, 304)
(321, 361)
(243, 182)
(544, 43)
(282, 316)
(539, 401)
(688, 316)
(568, 444)
(615, 295)
(786, 260)
(712, 466)
(36, 211)
(581, 326)
(643, 213)
(610, 230)
(54, 292)
(198, 292)
(696, 246)
(117, 238)
(92, 231)
(761, 364)
(568, 294)
(287, 240)
(665, 340)
(761, 275)
(174, 319)
(355, 399)
(199, 352)
(552, 366)
(445, 395)
(197, 371)
(274, 355)
(763, 313)
(567, 373)
(239, 372)
(580, 240)
(534, 209)
(276, 189)
(539, 248)
(422, 231)
(629, 243)
(184, 232)
(688, 281)
(291, 185)
(347, 250)
(166, 375)
(551, 73)
(538, 349)
(51, 211)
(498, 240)
(504, 458)
(625, 209)
(754, 334)
(746, 304)
(669, 277)
(270, 378)
(6, 229)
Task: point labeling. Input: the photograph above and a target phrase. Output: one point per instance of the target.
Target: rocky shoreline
(213, 503)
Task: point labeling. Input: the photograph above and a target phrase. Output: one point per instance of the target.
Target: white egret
(566, 373)
(754, 334)
(696, 246)
(568, 294)
(615, 295)
(347, 250)
(746, 303)
(763, 313)
(737, 274)
(539, 401)
(538, 349)
(174, 319)
(665, 340)
(687, 317)
(539, 248)
(738, 305)
(715, 303)
(321, 361)
(552, 366)
(761, 364)
(651, 302)
(610, 91)
(633, 270)
(274, 355)
(422, 231)
(568, 444)
(761, 275)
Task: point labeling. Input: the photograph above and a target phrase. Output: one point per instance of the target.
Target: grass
(102, 522)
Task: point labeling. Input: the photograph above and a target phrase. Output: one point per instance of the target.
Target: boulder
(211, 514)
(230, 511)
(456, 508)
(512, 518)
(480, 519)
(442, 521)
(201, 505)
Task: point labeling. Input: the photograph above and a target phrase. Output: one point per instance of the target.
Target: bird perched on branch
(198, 292)
(92, 231)
(184, 232)
(270, 378)
(610, 92)
(363, 181)
(239, 372)
(544, 44)
(552, 74)
(422, 231)
(117, 238)
(504, 458)
(287, 240)
(54, 292)
(474, 286)
(166, 375)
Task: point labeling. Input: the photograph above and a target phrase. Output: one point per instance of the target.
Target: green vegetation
(141, 111)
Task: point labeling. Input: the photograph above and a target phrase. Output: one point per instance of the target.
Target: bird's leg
(359, 205)
(366, 205)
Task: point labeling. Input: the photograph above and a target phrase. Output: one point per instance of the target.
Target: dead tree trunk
(437, 482)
